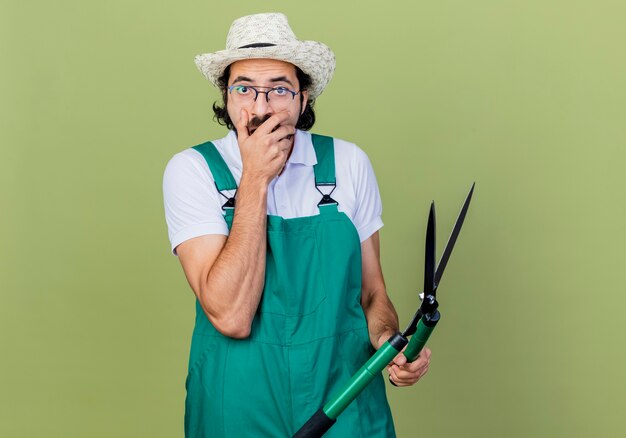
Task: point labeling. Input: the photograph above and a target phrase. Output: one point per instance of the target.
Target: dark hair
(305, 121)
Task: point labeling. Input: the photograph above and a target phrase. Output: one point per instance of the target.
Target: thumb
(400, 359)
(242, 125)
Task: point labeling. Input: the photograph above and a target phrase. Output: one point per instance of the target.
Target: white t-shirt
(193, 207)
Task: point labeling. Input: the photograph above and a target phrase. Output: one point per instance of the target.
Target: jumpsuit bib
(308, 336)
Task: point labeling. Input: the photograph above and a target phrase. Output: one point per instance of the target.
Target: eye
(241, 89)
(281, 91)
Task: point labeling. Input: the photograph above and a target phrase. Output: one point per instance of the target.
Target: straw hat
(269, 36)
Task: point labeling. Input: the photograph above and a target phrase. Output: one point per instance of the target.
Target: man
(277, 233)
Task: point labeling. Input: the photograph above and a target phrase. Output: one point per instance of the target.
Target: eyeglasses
(249, 93)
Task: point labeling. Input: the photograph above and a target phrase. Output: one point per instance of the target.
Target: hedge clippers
(419, 329)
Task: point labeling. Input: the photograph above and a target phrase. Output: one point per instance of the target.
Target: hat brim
(313, 58)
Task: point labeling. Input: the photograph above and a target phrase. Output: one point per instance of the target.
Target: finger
(279, 162)
(395, 379)
(398, 381)
(417, 377)
(392, 374)
(279, 151)
(279, 159)
(422, 360)
(282, 133)
(413, 367)
(405, 375)
(423, 357)
(400, 359)
(242, 125)
(411, 377)
(270, 124)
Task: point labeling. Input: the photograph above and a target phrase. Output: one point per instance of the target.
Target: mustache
(255, 122)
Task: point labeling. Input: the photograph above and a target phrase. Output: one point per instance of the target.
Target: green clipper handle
(424, 328)
(365, 375)
(325, 417)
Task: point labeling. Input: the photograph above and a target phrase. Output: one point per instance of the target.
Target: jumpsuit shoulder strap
(324, 170)
(325, 152)
(222, 175)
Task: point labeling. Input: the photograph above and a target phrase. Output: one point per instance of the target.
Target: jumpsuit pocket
(294, 283)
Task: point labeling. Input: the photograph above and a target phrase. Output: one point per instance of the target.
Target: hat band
(249, 46)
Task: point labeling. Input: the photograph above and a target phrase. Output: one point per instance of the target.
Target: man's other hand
(403, 373)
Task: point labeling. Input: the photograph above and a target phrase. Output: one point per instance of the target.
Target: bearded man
(277, 233)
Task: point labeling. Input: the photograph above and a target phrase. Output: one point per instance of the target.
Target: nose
(261, 106)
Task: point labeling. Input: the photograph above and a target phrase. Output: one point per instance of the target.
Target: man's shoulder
(336, 140)
(183, 161)
(346, 151)
(221, 144)
(192, 157)
(185, 165)
(339, 143)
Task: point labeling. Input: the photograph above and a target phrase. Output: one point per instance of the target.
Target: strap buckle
(230, 204)
(326, 198)
(230, 201)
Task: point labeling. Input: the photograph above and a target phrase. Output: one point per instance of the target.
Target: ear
(305, 100)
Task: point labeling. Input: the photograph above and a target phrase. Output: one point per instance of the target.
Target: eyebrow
(281, 79)
(278, 79)
(242, 79)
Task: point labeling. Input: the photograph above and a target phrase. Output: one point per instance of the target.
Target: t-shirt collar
(303, 152)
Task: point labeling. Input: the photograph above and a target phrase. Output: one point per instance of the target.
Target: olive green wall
(524, 97)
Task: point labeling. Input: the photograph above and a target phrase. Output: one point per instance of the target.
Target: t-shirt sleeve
(368, 205)
(190, 199)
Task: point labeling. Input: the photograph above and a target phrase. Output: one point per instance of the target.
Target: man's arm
(227, 274)
(382, 319)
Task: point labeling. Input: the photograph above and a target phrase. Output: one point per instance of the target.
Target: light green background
(524, 97)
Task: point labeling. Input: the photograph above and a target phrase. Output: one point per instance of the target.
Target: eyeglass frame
(267, 97)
